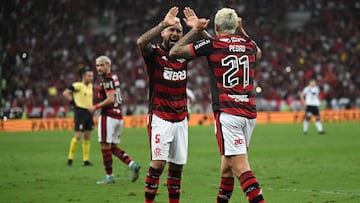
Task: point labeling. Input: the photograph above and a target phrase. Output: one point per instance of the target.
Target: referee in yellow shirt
(80, 95)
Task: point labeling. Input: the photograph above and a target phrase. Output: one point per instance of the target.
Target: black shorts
(314, 110)
(83, 120)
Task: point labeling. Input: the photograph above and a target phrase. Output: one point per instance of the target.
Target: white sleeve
(190, 94)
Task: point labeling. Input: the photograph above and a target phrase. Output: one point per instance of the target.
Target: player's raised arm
(144, 41)
(242, 32)
(258, 51)
(191, 21)
(182, 48)
(240, 28)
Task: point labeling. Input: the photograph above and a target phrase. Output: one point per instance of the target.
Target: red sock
(174, 184)
(107, 160)
(225, 189)
(152, 184)
(121, 154)
(251, 187)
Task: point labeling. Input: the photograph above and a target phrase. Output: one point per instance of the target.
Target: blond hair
(105, 59)
(226, 20)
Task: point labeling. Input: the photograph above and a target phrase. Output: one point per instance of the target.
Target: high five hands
(170, 18)
(193, 21)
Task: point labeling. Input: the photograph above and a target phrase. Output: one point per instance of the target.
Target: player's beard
(167, 44)
(101, 74)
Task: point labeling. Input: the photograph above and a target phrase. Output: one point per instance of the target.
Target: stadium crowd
(45, 43)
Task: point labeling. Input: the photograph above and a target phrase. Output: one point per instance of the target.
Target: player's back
(232, 62)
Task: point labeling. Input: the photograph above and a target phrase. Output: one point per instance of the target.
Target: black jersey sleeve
(202, 47)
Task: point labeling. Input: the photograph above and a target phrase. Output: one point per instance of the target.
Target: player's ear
(162, 33)
(216, 29)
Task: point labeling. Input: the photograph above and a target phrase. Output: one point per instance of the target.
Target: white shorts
(168, 140)
(233, 133)
(109, 129)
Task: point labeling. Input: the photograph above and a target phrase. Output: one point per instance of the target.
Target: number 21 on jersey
(234, 65)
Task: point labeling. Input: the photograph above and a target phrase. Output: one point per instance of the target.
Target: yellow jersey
(82, 94)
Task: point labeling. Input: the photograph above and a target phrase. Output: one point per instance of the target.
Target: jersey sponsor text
(173, 75)
(239, 98)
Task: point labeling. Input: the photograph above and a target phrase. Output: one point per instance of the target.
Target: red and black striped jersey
(231, 61)
(167, 84)
(110, 83)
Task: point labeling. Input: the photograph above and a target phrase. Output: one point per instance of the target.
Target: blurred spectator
(46, 42)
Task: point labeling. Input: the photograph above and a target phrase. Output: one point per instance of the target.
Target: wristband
(96, 106)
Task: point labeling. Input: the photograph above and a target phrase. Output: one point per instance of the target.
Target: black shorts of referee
(83, 119)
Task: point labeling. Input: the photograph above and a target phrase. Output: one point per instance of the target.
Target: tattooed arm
(182, 48)
(191, 20)
(144, 41)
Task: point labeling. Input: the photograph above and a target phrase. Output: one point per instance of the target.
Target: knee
(226, 172)
(240, 168)
(308, 116)
(158, 164)
(105, 146)
(175, 167)
(86, 136)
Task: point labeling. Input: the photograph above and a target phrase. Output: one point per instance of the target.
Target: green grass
(291, 167)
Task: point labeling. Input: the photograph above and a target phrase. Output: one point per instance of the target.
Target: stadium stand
(45, 43)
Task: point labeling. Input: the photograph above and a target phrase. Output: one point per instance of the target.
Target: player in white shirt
(310, 99)
(190, 100)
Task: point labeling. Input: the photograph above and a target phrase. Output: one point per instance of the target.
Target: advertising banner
(140, 121)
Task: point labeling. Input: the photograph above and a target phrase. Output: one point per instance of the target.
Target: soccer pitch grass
(290, 166)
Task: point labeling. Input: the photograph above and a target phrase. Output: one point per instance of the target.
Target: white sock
(306, 126)
(318, 126)
(131, 163)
